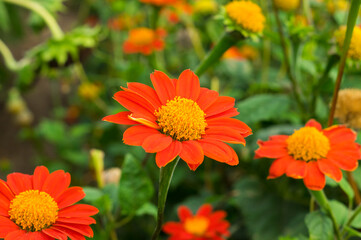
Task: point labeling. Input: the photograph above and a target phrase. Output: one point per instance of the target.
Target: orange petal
(17, 235)
(192, 152)
(206, 98)
(79, 220)
(4, 206)
(329, 169)
(70, 196)
(184, 213)
(188, 85)
(342, 160)
(78, 210)
(279, 166)
(222, 104)
(193, 167)
(156, 142)
(175, 228)
(39, 177)
(314, 123)
(6, 226)
(164, 157)
(205, 210)
(163, 86)
(216, 150)
(79, 228)
(135, 135)
(70, 233)
(267, 150)
(120, 118)
(337, 134)
(235, 160)
(314, 179)
(296, 169)
(144, 122)
(233, 123)
(146, 92)
(55, 234)
(19, 182)
(5, 190)
(224, 134)
(229, 113)
(56, 183)
(136, 104)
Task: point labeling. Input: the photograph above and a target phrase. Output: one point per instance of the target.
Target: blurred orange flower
(178, 117)
(41, 206)
(310, 153)
(244, 52)
(144, 40)
(159, 2)
(204, 225)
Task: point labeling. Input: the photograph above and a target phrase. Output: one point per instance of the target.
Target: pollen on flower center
(308, 144)
(141, 36)
(196, 225)
(33, 210)
(182, 119)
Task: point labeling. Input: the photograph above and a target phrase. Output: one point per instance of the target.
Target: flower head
(160, 2)
(348, 108)
(205, 224)
(244, 52)
(205, 6)
(246, 15)
(287, 5)
(144, 40)
(311, 152)
(178, 117)
(354, 50)
(337, 5)
(41, 206)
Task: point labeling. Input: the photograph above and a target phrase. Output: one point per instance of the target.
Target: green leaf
(147, 209)
(77, 156)
(135, 187)
(4, 17)
(319, 226)
(346, 187)
(263, 107)
(92, 194)
(53, 131)
(340, 211)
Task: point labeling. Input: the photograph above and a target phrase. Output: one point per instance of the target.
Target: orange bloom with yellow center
(205, 225)
(144, 40)
(160, 2)
(178, 117)
(311, 152)
(41, 206)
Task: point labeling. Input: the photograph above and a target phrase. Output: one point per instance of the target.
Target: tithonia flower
(348, 107)
(244, 52)
(42, 207)
(310, 153)
(354, 50)
(144, 40)
(159, 2)
(247, 15)
(204, 225)
(205, 6)
(287, 5)
(178, 117)
(337, 5)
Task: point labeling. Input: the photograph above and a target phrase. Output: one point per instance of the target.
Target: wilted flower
(348, 107)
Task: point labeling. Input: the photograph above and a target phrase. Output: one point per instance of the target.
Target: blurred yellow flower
(337, 5)
(287, 5)
(205, 6)
(246, 14)
(89, 91)
(354, 51)
(348, 108)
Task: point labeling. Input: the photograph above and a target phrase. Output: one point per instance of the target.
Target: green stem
(322, 200)
(10, 62)
(228, 40)
(354, 215)
(165, 177)
(39, 9)
(287, 61)
(351, 21)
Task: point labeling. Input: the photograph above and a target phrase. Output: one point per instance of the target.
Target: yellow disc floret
(196, 225)
(182, 119)
(247, 14)
(141, 36)
(308, 144)
(33, 210)
(354, 50)
(287, 5)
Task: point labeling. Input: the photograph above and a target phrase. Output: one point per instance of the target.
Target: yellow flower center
(182, 119)
(33, 210)
(141, 36)
(196, 225)
(308, 144)
(247, 14)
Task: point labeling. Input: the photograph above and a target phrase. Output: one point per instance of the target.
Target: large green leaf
(135, 187)
(263, 107)
(319, 226)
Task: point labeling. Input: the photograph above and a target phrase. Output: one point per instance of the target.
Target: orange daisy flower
(144, 40)
(178, 117)
(160, 2)
(41, 206)
(310, 153)
(205, 225)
